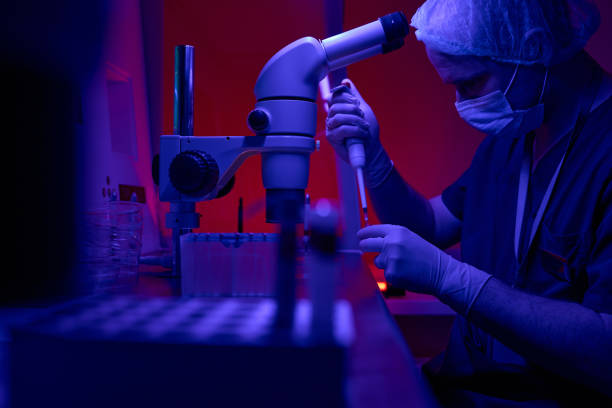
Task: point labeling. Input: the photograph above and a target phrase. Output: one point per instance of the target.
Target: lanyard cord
(525, 172)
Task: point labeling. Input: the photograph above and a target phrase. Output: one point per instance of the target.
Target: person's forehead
(455, 68)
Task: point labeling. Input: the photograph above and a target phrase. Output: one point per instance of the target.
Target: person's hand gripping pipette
(353, 131)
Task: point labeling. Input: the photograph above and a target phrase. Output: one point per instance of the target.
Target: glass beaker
(111, 241)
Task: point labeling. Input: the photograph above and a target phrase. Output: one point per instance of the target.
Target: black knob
(395, 26)
(194, 173)
(258, 120)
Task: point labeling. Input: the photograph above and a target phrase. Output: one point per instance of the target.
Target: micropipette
(353, 145)
(356, 155)
(357, 158)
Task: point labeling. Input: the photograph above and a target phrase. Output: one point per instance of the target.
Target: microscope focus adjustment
(194, 173)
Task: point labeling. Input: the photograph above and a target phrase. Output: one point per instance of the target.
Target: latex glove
(350, 116)
(412, 263)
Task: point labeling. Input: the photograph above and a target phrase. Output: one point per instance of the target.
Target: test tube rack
(200, 351)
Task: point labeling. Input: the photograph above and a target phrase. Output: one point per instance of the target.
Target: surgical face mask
(493, 115)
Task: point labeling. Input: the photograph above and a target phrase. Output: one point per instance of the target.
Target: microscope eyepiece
(392, 46)
(380, 36)
(395, 25)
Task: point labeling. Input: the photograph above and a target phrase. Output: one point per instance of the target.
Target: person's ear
(536, 46)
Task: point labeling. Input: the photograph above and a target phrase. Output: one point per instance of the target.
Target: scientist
(533, 212)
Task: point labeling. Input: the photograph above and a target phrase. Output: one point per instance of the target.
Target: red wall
(428, 142)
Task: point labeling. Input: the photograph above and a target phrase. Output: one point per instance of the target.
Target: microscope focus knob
(194, 173)
(258, 120)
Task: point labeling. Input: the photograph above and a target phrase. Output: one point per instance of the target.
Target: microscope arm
(229, 153)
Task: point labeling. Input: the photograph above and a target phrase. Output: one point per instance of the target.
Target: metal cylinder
(356, 57)
(183, 125)
(183, 90)
(286, 267)
(354, 41)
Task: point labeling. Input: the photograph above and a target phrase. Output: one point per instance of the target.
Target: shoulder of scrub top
(605, 91)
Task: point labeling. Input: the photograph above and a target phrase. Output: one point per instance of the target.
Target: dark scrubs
(570, 258)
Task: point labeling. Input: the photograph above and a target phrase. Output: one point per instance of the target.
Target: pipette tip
(365, 216)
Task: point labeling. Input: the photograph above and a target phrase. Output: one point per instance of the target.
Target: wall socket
(132, 193)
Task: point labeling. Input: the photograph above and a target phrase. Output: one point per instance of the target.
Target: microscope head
(286, 93)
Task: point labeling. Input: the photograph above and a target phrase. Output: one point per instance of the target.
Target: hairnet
(517, 31)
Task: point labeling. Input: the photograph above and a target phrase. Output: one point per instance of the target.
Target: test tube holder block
(161, 352)
(226, 264)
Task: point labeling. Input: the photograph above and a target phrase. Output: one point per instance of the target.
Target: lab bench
(424, 322)
(380, 369)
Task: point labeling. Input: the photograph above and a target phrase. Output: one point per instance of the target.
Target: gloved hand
(414, 264)
(350, 116)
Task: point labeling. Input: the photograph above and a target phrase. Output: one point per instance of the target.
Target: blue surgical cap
(516, 31)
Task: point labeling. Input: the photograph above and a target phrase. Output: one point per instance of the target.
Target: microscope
(193, 169)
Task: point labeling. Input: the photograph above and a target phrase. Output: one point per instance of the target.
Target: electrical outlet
(132, 193)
